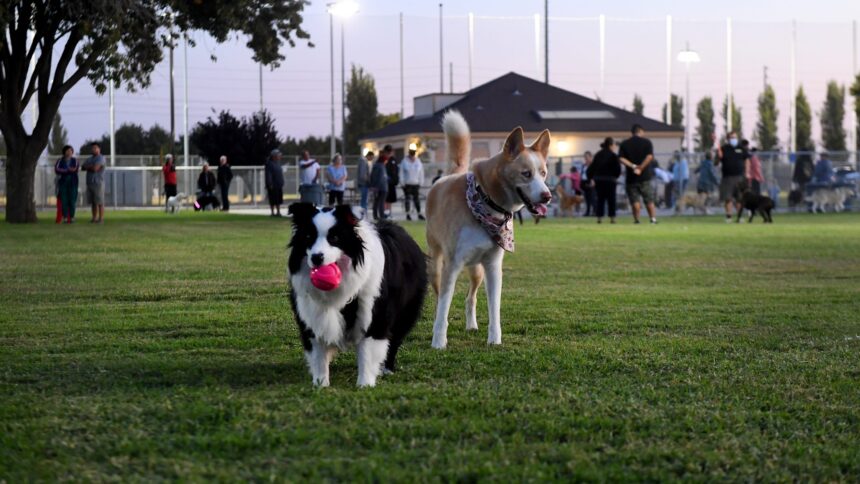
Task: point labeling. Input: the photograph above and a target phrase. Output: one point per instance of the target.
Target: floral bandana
(499, 228)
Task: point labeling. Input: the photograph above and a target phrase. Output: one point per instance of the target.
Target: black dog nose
(317, 259)
(546, 197)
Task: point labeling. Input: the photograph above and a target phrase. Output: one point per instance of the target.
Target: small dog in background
(174, 203)
(697, 201)
(833, 197)
(568, 204)
(755, 203)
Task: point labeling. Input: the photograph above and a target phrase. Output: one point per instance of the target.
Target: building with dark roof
(493, 109)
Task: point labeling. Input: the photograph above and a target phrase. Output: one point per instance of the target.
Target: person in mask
(734, 160)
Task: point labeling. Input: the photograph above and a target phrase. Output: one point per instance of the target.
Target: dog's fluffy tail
(459, 141)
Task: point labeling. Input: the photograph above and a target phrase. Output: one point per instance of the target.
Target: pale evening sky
(298, 93)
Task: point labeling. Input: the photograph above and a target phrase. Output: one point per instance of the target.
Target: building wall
(486, 145)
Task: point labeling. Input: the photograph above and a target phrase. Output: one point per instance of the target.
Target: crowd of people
(378, 177)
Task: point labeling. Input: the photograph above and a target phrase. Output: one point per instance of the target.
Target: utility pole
(546, 41)
(172, 106)
(441, 57)
(451, 77)
(764, 88)
(401, 67)
(261, 87)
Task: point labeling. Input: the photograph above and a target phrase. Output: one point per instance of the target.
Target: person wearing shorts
(169, 172)
(636, 153)
(95, 167)
(734, 160)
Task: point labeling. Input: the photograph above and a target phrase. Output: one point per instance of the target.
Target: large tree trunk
(21, 181)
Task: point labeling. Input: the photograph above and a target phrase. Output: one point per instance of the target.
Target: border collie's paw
(386, 371)
(366, 382)
(494, 339)
(471, 325)
(321, 382)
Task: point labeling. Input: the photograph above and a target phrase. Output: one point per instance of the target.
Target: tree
(361, 102)
(803, 122)
(855, 91)
(59, 136)
(118, 42)
(316, 145)
(638, 105)
(706, 128)
(133, 139)
(677, 111)
(737, 118)
(767, 116)
(832, 115)
(245, 141)
(383, 120)
(259, 137)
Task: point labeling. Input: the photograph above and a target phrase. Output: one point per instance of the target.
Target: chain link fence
(142, 186)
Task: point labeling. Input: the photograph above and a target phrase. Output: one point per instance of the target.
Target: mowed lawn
(158, 347)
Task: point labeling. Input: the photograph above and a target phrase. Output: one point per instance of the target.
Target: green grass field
(158, 347)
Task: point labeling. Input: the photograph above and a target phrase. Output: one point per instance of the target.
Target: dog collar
(500, 229)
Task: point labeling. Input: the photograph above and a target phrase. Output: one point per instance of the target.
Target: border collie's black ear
(345, 213)
(302, 211)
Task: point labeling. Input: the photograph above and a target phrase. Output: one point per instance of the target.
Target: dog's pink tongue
(326, 278)
(541, 209)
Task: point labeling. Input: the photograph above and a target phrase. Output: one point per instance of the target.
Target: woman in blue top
(66, 169)
(335, 174)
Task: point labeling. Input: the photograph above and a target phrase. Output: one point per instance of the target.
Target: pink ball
(326, 278)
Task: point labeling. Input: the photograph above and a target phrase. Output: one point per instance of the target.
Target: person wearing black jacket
(603, 172)
(206, 183)
(392, 168)
(225, 176)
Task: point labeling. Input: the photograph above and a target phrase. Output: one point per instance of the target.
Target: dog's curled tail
(459, 141)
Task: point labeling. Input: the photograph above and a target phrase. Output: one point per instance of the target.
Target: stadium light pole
(342, 9)
(688, 57)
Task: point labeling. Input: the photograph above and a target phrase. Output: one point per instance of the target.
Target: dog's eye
(333, 239)
(527, 174)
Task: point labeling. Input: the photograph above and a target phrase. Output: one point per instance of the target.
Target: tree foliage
(766, 129)
(737, 117)
(362, 104)
(832, 116)
(677, 111)
(108, 41)
(59, 136)
(638, 105)
(133, 139)
(803, 122)
(245, 141)
(855, 92)
(706, 128)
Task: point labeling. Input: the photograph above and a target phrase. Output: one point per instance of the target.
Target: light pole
(688, 57)
(342, 9)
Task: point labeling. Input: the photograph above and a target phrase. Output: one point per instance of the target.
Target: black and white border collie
(378, 300)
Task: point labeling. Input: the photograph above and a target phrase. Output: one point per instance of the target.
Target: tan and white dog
(505, 183)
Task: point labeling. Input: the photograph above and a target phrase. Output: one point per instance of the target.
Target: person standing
(225, 176)
(169, 172)
(734, 160)
(707, 181)
(362, 178)
(393, 171)
(379, 185)
(336, 176)
(275, 182)
(823, 172)
(754, 176)
(412, 177)
(636, 153)
(587, 188)
(680, 176)
(309, 179)
(95, 167)
(603, 172)
(67, 170)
